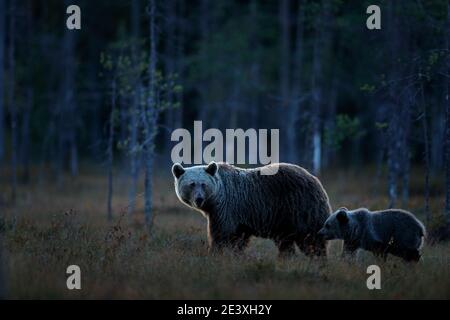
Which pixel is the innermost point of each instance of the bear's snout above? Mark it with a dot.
(199, 201)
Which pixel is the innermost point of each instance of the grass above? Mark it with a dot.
(52, 227)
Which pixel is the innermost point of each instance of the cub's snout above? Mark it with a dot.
(324, 234)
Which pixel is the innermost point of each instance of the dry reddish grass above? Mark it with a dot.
(52, 227)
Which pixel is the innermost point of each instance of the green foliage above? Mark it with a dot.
(381, 125)
(126, 64)
(368, 88)
(345, 128)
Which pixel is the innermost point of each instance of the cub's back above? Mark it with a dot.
(398, 223)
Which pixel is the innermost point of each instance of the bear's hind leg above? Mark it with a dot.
(409, 255)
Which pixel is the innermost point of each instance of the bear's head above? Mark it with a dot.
(337, 226)
(195, 186)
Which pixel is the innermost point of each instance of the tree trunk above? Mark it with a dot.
(395, 128)
(134, 169)
(68, 117)
(255, 68)
(426, 138)
(297, 90)
(11, 102)
(111, 149)
(25, 132)
(204, 38)
(284, 77)
(2, 83)
(73, 153)
(72, 119)
(136, 100)
(317, 90)
(437, 135)
(405, 151)
(285, 51)
(169, 66)
(393, 163)
(123, 121)
(447, 124)
(2, 265)
(2, 145)
(25, 136)
(180, 62)
(95, 133)
(150, 119)
(330, 120)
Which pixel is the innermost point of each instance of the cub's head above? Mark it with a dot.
(195, 186)
(336, 226)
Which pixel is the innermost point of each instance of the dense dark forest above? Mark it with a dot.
(111, 93)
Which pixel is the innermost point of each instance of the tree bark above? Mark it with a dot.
(405, 159)
(297, 90)
(2, 146)
(150, 119)
(204, 36)
(136, 100)
(25, 136)
(66, 115)
(255, 68)
(178, 116)
(11, 102)
(3, 279)
(2, 83)
(395, 129)
(317, 89)
(447, 123)
(25, 130)
(426, 138)
(285, 51)
(169, 66)
(284, 76)
(110, 151)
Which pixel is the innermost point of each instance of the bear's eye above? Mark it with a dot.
(192, 184)
(203, 184)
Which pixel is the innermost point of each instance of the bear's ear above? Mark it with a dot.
(342, 217)
(177, 170)
(343, 209)
(211, 168)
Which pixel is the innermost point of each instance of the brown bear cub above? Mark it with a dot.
(288, 207)
(393, 231)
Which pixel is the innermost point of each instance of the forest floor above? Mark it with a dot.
(52, 227)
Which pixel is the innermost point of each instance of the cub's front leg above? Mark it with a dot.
(349, 249)
(221, 237)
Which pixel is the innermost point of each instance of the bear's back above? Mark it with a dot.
(291, 198)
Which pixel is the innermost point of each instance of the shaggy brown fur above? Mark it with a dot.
(288, 207)
(393, 231)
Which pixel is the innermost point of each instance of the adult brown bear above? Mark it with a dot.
(288, 207)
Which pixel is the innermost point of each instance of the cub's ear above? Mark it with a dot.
(177, 170)
(342, 217)
(211, 168)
